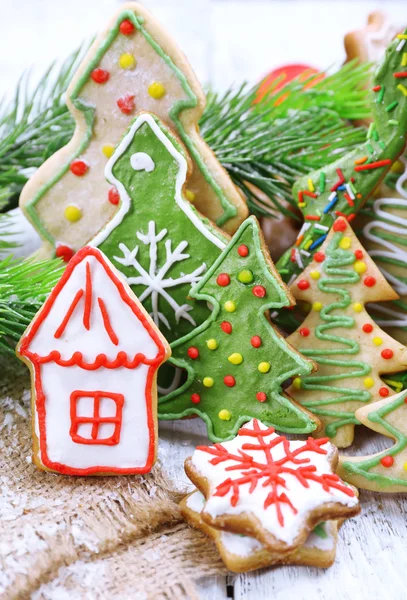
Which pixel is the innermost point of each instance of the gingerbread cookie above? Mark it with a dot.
(133, 65)
(93, 354)
(385, 471)
(351, 350)
(369, 43)
(236, 361)
(242, 553)
(268, 487)
(340, 189)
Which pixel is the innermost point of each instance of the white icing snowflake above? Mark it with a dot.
(155, 279)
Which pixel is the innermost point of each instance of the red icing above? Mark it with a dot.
(96, 420)
(126, 27)
(68, 315)
(88, 298)
(229, 380)
(243, 250)
(387, 353)
(384, 392)
(358, 254)
(256, 341)
(387, 461)
(261, 396)
(304, 331)
(226, 327)
(303, 284)
(369, 281)
(100, 75)
(106, 322)
(270, 473)
(78, 167)
(223, 279)
(319, 257)
(64, 252)
(340, 225)
(193, 352)
(367, 328)
(259, 291)
(195, 398)
(126, 104)
(113, 195)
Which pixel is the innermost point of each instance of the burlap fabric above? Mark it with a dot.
(93, 538)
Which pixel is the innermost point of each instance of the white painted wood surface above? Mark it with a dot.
(228, 41)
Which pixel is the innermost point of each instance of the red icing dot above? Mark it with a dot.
(113, 195)
(369, 281)
(367, 328)
(384, 392)
(126, 104)
(304, 331)
(261, 396)
(195, 398)
(78, 167)
(126, 27)
(193, 352)
(319, 256)
(226, 327)
(223, 279)
(340, 225)
(358, 254)
(387, 353)
(259, 291)
(243, 250)
(256, 341)
(64, 252)
(303, 284)
(387, 461)
(229, 380)
(100, 75)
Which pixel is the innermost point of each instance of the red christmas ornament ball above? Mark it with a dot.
(304, 331)
(387, 461)
(100, 75)
(193, 352)
(126, 104)
(256, 341)
(223, 279)
(195, 398)
(261, 396)
(369, 281)
(113, 195)
(358, 254)
(319, 257)
(64, 252)
(226, 327)
(126, 27)
(384, 392)
(387, 353)
(303, 284)
(229, 380)
(243, 250)
(367, 328)
(340, 225)
(259, 291)
(78, 167)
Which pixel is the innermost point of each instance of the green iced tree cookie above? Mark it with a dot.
(236, 361)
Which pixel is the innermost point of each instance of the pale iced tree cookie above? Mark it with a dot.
(93, 354)
(242, 553)
(385, 471)
(351, 350)
(133, 65)
(268, 487)
(369, 43)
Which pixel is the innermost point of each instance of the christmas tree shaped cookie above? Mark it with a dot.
(157, 239)
(133, 65)
(93, 353)
(236, 361)
(351, 350)
(341, 188)
(385, 471)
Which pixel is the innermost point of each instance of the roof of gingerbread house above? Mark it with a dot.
(92, 319)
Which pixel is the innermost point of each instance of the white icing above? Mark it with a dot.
(141, 161)
(377, 41)
(180, 180)
(155, 279)
(305, 499)
(163, 391)
(132, 335)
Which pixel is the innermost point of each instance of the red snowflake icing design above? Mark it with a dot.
(271, 472)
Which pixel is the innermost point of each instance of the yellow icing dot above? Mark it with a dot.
(224, 414)
(245, 276)
(156, 90)
(360, 267)
(127, 61)
(358, 307)
(235, 358)
(317, 306)
(345, 243)
(297, 383)
(264, 367)
(397, 167)
(208, 381)
(315, 274)
(368, 382)
(190, 195)
(212, 344)
(108, 150)
(230, 306)
(377, 341)
(72, 213)
(405, 466)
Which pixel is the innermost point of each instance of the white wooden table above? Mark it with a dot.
(228, 41)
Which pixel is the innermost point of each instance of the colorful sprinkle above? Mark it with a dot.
(223, 279)
(311, 185)
(156, 90)
(264, 367)
(208, 382)
(230, 306)
(72, 213)
(318, 242)
(193, 352)
(229, 381)
(402, 89)
(243, 250)
(374, 165)
(391, 106)
(313, 217)
(126, 104)
(224, 415)
(322, 182)
(212, 344)
(235, 358)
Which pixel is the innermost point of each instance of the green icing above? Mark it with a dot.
(335, 276)
(248, 320)
(385, 140)
(320, 531)
(190, 101)
(156, 246)
(366, 466)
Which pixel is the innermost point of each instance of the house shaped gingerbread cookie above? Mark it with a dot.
(93, 354)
